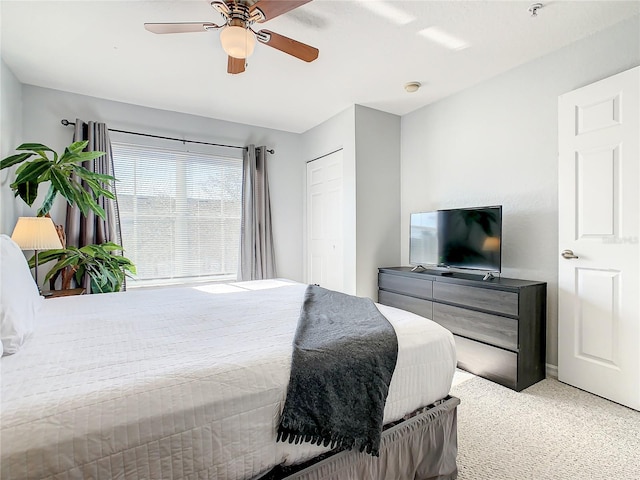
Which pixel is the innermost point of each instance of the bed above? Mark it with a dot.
(189, 383)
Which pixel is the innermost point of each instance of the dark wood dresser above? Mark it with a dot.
(499, 325)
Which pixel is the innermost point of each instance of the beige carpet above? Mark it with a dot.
(549, 431)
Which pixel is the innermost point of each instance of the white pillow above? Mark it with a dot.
(19, 297)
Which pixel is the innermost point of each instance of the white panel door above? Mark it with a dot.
(325, 251)
(599, 214)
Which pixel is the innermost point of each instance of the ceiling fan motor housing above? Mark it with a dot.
(239, 13)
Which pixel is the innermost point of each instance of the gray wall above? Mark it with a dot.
(337, 132)
(378, 196)
(370, 140)
(497, 143)
(10, 138)
(44, 108)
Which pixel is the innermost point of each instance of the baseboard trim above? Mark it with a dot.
(552, 371)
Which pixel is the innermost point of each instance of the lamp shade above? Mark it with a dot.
(36, 233)
(237, 41)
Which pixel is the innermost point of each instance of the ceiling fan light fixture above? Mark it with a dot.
(237, 41)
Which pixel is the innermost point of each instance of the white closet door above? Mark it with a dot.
(599, 214)
(325, 216)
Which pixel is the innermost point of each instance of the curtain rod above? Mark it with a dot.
(66, 122)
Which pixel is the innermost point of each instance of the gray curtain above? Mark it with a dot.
(257, 259)
(83, 230)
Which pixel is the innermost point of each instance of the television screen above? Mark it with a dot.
(461, 238)
(424, 239)
(470, 238)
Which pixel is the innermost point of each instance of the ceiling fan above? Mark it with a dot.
(237, 36)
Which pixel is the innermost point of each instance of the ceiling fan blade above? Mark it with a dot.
(288, 45)
(273, 8)
(235, 65)
(179, 27)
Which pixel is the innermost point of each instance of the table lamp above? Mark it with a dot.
(36, 233)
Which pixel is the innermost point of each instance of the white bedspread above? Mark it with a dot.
(180, 383)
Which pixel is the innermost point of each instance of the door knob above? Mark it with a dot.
(568, 254)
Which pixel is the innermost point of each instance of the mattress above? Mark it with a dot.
(181, 383)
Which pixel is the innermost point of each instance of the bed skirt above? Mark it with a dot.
(424, 447)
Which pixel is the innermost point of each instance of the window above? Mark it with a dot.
(179, 213)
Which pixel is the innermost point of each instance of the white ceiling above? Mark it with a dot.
(100, 48)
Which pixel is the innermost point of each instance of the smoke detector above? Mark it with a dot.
(412, 87)
(533, 9)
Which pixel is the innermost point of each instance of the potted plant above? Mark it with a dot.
(65, 173)
(106, 270)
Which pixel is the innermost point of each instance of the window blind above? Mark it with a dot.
(179, 213)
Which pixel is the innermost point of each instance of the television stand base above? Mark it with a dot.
(423, 269)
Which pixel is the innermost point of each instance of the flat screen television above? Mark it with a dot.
(469, 238)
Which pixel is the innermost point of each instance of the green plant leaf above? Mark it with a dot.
(86, 173)
(93, 185)
(63, 185)
(75, 154)
(97, 189)
(21, 168)
(28, 192)
(37, 169)
(35, 147)
(110, 277)
(76, 158)
(91, 249)
(68, 154)
(47, 256)
(14, 159)
(126, 265)
(96, 287)
(97, 209)
(60, 265)
(77, 147)
(82, 199)
(111, 246)
(79, 274)
(47, 203)
(32, 171)
(88, 156)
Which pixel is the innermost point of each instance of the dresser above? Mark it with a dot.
(499, 325)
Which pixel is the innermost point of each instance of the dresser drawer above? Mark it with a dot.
(487, 299)
(417, 287)
(500, 366)
(493, 329)
(411, 304)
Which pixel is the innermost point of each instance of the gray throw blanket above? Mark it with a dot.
(344, 354)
